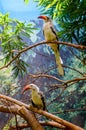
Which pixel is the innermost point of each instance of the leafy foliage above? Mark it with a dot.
(70, 15)
(8, 85)
(12, 38)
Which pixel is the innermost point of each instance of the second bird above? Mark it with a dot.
(50, 35)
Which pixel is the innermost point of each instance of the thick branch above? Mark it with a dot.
(43, 123)
(10, 109)
(23, 112)
(30, 118)
(44, 113)
(15, 109)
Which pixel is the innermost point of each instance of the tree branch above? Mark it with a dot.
(74, 70)
(47, 76)
(40, 43)
(71, 110)
(74, 80)
(64, 83)
(68, 125)
(43, 123)
(23, 112)
(15, 109)
(30, 118)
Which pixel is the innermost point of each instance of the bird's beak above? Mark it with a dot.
(26, 88)
(42, 17)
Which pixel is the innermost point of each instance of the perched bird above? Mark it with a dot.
(50, 35)
(37, 97)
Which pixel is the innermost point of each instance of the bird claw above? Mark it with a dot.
(31, 106)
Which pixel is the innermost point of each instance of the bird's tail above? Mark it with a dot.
(59, 63)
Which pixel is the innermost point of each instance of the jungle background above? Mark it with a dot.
(22, 63)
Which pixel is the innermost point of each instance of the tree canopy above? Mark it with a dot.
(70, 15)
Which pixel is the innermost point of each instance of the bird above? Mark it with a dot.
(37, 97)
(50, 35)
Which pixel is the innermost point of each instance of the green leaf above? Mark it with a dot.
(26, 1)
(50, 5)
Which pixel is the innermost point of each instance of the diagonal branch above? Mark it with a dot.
(40, 43)
(43, 123)
(74, 70)
(44, 113)
(47, 76)
(63, 83)
(23, 112)
(74, 80)
(15, 109)
(71, 110)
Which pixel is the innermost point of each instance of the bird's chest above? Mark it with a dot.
(49, 35)
(36, 98)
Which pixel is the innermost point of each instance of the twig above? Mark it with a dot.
(46, 75)
(16, 122)
(74, 80)
(76, 56)
(70, 110)
(74, 69)
(64, 83)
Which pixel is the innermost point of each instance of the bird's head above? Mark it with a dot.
(45, 18)
(30, 86)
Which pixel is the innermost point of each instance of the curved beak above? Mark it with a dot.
(26, 88)
(42, 17)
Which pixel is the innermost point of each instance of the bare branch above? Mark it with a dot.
(43, 123)
(70, 82)
(15, 109)
(71, 110)
(23, 112)
(74, 70)
(64, 83)
(46, 75)
(30, 118)
(40, 43)
(78, 57)
(74, 80)
(44, 113)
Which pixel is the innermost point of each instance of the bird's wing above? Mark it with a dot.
(43, 100)
(53, 30)
(43, 32)
(34, 105)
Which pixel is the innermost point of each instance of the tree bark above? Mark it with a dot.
(23, 112)
(68, 125)
(30, 118)
(43, 123)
